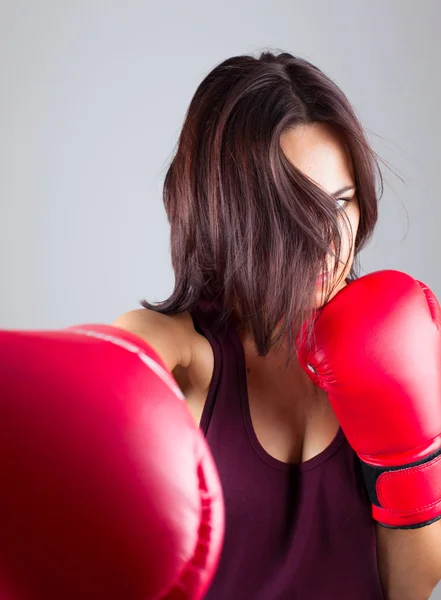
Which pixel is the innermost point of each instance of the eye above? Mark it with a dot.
(342, 202)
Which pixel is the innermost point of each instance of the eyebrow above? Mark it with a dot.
(343, 190)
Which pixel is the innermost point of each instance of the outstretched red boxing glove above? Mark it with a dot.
(108, 489)
(376, 351)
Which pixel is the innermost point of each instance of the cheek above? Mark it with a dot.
(355, 223)
(349, 232)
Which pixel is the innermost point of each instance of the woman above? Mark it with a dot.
(270, 197)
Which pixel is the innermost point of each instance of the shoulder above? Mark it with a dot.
(186, 353)
(173, 337)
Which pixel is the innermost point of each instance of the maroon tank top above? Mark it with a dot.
(293, 532)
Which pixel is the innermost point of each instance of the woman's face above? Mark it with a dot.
(318, 152)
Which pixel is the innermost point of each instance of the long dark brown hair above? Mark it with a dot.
(248, 229)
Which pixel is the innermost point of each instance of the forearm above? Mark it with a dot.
(409, 561)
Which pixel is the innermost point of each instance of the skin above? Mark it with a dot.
(319, 153)
(409, 560)
(298, 423)
(301, 423)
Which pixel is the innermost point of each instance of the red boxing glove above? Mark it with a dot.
(108, 487)
(377, 353)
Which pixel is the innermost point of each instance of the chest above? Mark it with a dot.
(292, 419)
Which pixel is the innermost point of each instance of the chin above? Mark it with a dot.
(322, 297)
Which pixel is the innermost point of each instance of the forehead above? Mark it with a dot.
(318, 151)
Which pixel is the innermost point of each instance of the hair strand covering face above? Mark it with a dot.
(247, 228)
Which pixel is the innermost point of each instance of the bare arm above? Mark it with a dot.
(409, 561)
(167, 335)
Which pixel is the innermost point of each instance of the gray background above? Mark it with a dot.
(92, 97)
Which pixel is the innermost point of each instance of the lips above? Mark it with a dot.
(323, 278)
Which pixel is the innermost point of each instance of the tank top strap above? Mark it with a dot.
(209, 321)
(290, 532)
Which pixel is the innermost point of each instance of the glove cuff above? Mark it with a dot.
(408, 496)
